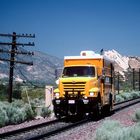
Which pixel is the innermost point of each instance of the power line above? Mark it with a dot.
(13, 51)
(16, 52)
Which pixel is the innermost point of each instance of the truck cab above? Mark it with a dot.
(85, 86)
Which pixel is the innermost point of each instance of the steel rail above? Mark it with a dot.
(127, 103)
(54, 132)
(21, 130)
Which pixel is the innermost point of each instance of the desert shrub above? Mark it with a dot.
(18, 103)
(38, 102)
(19, 112)
(135, 132)
(16, 112)
(29, 112)
(139, 93)
(38, 107)
(3, 113)
(35, 103)
(4, 105)
(135, 94)
(105, 131)
(17, 116)
(112, 130)
(13, 114)
(3, 117)
(45, 112)
(126, 95)
(136, 116)
(119, 99)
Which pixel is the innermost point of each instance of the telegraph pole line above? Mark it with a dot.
(139, 79)
(133, 79)
(14, 50)
(12, 57)
(118, 79)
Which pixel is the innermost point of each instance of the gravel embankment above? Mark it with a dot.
(25, 124)
(87, 131)
(83, 132)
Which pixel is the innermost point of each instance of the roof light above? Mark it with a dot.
(83, 54)
(87, 53)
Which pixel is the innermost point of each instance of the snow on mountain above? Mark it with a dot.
(2, 75)
(121, 62)
(134, 62)
(18, 79)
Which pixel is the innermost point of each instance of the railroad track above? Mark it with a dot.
(54, 127)
(56, 131)
(41, 130)
(24, 130)
(124, 104)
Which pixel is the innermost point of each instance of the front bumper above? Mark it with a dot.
(65, 107)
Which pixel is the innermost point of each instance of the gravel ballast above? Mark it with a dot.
(86, 131)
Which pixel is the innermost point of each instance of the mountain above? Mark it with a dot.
(134, 62)
(123, 63)
(42, 71)
(44, 65)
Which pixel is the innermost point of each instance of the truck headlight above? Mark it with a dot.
(91, 93)
(85, 97)
(56, 95)
(57, 81)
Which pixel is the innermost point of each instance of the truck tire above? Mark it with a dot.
(96, 112)
(107, 109)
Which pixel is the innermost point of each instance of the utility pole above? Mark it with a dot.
(133, 79)
(139, 79)
(14, 50)
(118, 79)
(11, 72)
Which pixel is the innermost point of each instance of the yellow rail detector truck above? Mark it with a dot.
(85, 86)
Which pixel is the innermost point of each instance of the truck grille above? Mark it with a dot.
(74, 86)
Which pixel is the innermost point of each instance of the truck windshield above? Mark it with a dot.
(76, 71)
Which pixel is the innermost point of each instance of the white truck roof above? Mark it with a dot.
(87, 55)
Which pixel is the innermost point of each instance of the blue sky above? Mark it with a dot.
(65, 27)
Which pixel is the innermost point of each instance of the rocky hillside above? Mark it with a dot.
(42, 71)
(134, 62)
(123, 63)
